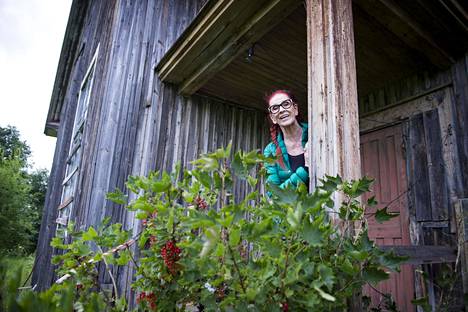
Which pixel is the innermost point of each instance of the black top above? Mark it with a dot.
(296, 161)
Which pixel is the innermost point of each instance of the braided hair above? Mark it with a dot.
(275, 128)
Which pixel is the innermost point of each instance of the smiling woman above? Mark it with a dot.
(289, 141)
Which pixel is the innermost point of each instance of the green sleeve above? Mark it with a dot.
(271, 168)
(300, 176)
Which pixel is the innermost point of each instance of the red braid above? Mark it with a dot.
(274, 130)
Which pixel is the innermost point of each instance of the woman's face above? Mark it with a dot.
(283, 110)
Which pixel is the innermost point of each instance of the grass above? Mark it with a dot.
(14, 263)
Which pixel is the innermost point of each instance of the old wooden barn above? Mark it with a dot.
(142, 85)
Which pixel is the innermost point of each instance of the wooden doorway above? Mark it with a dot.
(382, 158)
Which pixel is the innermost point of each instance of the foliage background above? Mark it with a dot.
(22, 195)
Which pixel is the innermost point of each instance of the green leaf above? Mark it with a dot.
(131, 184)
(360, 186)
(330, 184)
(206, 163)
(366, 243)
(234, 237)
(57, 242)
(285, 196)
(371, 202)
(381, 215)
(359, 255)
(170, 221)
(142, 204)
(251, 293)
(90, 234)
(374, 275)
(392, 261)
(203, 177)
(83, 249)
(292, 219)
(423, 302)
(160, 186)
(123, 258)
(117, 197)
(219, 251)
(262, 227)
(347, 267)
(237, 165)
(326, 275)
(312, 234)
(252, 181)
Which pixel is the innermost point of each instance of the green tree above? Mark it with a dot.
(12, 145)
(37, 180)
(22, 194)
(15, 217)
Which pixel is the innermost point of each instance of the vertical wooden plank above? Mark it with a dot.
(461, 210)
(460, 88)
(418, 175)
(332, 90)
(450, 154)
(436, 166)
(332, 96)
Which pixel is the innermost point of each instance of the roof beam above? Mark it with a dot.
(408, 30)
(223, 30)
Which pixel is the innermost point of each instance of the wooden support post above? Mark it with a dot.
(332, 91)
(332, 96)
(461, 212)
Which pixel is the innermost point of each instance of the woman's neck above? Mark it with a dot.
(292, 132)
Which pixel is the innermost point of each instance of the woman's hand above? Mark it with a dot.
(306, 155)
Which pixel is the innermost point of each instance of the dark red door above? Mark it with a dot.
(382, 159)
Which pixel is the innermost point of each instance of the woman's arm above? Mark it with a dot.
(300, 176)
(271, 168)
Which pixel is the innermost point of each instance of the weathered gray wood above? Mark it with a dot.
(408, 30)
(450, 155)
(96, 25)
(417, 174)
(424, 254)
(332, 91)
(389, 114)
(461, 211)
(220, 32)
(436, 167)
(460, 87)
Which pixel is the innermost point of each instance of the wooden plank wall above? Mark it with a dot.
(460, 88)
(434, 111)
(93, 26)
(135, 123)
(396, 93)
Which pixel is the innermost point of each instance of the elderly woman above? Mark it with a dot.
(288, 142)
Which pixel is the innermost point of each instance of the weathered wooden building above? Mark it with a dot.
(142, 85)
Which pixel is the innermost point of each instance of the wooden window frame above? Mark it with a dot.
(76, 146)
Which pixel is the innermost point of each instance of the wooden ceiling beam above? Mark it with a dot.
(407, 29)
(222, 31)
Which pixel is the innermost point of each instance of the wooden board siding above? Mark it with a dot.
(117, 31)
(136, 123)
(400, 92)
(460, 87)
(93, 26)
(431, 113)
(427, 170)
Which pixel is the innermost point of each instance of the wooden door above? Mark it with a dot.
(382, 159)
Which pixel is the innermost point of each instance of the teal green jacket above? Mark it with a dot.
(284, 176)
